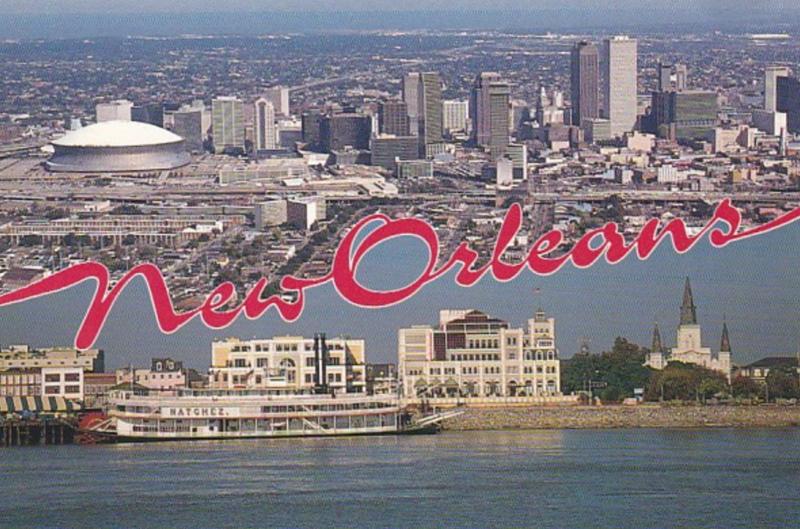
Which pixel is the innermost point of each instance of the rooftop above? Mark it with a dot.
(117, 134)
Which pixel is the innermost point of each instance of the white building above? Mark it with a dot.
(771, 74)
(266, 133)
(227, 123)
(620, 67)
(64, 382)
(119, 110)
(472, 356)
(269, 213)
(289, 364)
(279, 97)
(689, 347)
(454, 115)
(303, 212)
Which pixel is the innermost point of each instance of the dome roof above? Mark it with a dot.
(117, 134)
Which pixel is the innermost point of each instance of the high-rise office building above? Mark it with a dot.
(620, 83)
(685, 115)
(279, 97)
(454, 115)
(345, 129)
(393, 118)
(585, 82)
(488, 107)
(387, 149)
(309, 122)
(771, 75)
(266, 134)
(119, 110)
(664, 77)
(787, 100)
(430, 118)
(227, 123)
(681, 77)
(411, 82)
(188, 124)
(152, 113)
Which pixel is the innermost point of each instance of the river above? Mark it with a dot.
(549, 478)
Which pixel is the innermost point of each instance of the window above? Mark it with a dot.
(52, 378)
(74, 389)
(311, 361)
(262, 362)
(51, 390)
(72, 377)
(240, 362)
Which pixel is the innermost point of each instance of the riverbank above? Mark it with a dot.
(642, 416)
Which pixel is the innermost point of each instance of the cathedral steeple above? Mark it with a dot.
(725, 343)
(688, 310)
(657, 347)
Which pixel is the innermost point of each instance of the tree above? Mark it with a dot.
(680, 381)
(745, 388)
(621, 369)
(782, 383)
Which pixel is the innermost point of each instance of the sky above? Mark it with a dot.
(708, 7)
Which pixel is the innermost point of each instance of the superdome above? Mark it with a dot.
(118, 146)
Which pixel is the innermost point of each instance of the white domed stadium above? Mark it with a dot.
(116, 147)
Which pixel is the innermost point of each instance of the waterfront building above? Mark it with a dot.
(454, 116)
(269, 213)
(381, 379)
(584, 82)
(265, 131)
(96, 388)
(165, 374)
(620, 68)
(227, 118)
(393, 118)
(288, 364)
(26, 357)
(472, 355)
(489, 103)
(689, 347)
(771, 75)
(119, 110)
(758, 370)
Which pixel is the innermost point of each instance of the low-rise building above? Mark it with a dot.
(289, 364)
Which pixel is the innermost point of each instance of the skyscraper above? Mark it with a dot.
(393, 118)
(788, 100)
(620, 83)
(489, 112)
(279, 97)
(454, 115)
(771, 75)
(585, 82)
(227, 122)
(664, 77)
(681, 77)
(430, 117)
(411, 82)
(265, 130)
(188, 124)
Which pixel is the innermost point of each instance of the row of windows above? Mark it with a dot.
(282, 347)
(56, 390)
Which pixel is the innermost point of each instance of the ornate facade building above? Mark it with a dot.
(689, 347)
(471, 355)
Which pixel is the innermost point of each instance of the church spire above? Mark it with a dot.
(688, 310)
(725, 343)
(657, 347)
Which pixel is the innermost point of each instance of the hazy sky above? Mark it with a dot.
(138, 6)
